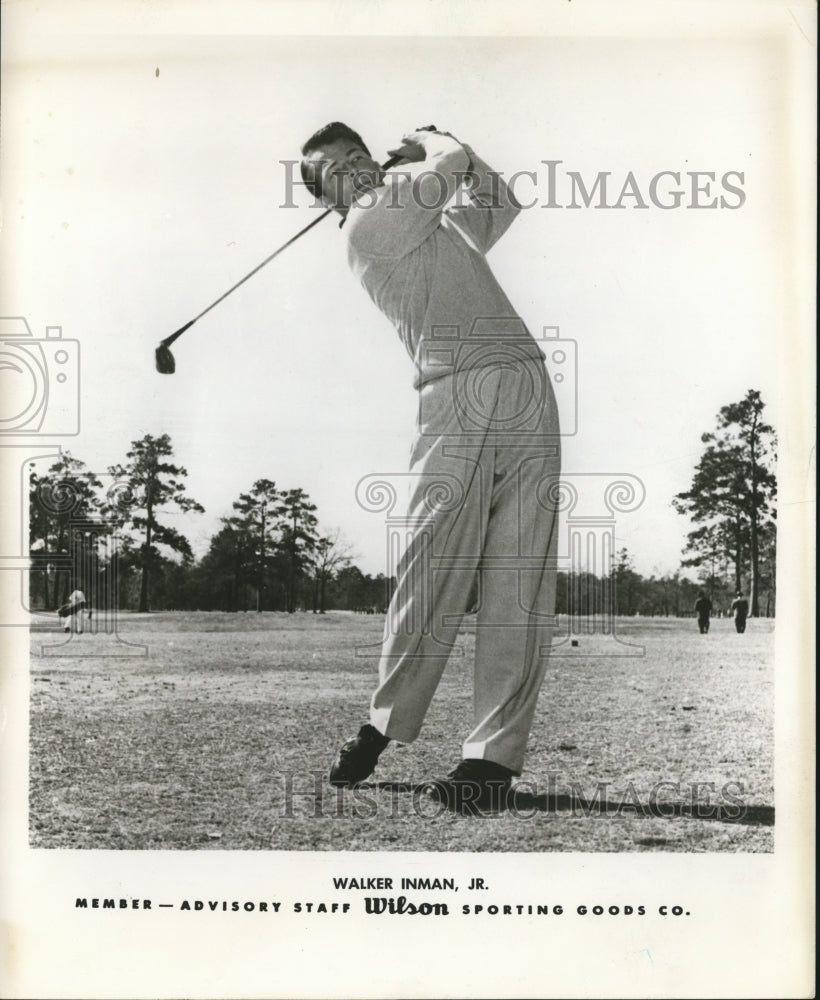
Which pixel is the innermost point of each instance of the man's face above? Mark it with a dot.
(345, 169)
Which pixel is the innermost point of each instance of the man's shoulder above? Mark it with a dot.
(368, 212)
(382, 224)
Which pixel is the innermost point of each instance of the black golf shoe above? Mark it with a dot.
(357, 758)
(473, 787)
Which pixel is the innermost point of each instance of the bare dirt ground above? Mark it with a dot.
(222, 735)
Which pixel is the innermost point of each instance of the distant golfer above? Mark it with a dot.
(703, 609)
(72, 611)
(740, 611)
(484, 465)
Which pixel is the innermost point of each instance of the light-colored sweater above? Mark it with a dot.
(417, 245)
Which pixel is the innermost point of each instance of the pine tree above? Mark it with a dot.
(299, 537)
(257, 527)
(734, 489)
(155, 484)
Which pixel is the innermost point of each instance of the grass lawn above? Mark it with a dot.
(219, 738)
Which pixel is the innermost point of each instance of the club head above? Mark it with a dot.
(165, 360)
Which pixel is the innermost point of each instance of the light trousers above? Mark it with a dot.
(480, 535)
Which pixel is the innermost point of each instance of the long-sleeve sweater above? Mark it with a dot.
(418, 246)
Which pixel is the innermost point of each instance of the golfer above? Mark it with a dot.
(703, 609)
(484, 463)
(72, 612)
(740, 611)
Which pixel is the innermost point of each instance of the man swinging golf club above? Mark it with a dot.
(484, 463)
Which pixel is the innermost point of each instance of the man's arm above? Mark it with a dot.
(393, 222)
(486, 207)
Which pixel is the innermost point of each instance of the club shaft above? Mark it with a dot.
(178, 333)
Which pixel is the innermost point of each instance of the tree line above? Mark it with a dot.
(270, 553)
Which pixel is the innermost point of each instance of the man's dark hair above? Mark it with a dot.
(327, 134)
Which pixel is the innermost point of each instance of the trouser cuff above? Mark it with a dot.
(480, 751)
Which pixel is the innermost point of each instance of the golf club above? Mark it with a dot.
(165, 363)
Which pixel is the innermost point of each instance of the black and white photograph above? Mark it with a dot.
(408, 499)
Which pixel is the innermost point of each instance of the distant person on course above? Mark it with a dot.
(703, 609)
(740, 610)
(72, 611)
(485, 461)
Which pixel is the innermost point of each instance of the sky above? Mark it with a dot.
(148, 172)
